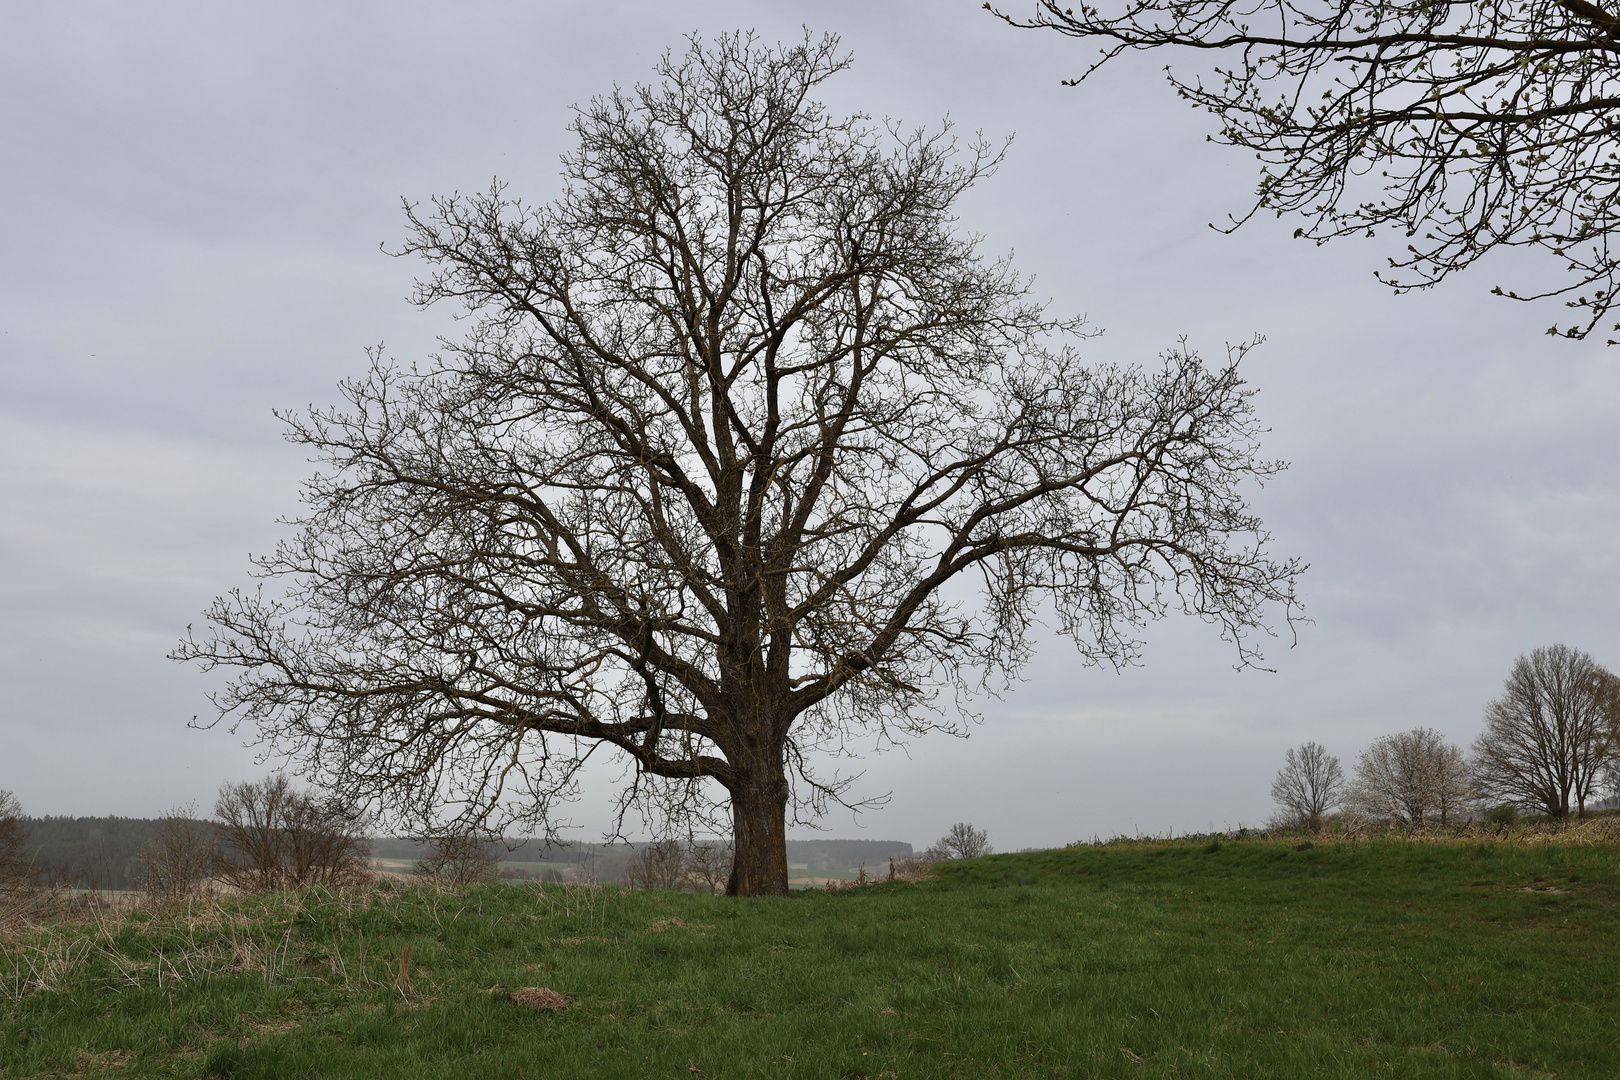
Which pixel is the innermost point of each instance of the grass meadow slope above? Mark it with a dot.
(1248, 959)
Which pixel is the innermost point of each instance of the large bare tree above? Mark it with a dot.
(1460, 127)
(1549, 737)
(1310, 783)
(739, 423)
(1411, 778)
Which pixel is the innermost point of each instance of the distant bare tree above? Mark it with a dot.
(659, 865)
(182, 855)
(962, 842)
(21, 896)
(277, 837)
(1309, 784)
(748, 453)
(15, 864)
(1549, 737)
(1610, 696)
(710, 863)
(1411, 778)
(463, 859)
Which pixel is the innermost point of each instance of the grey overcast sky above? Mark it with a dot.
(194, 196)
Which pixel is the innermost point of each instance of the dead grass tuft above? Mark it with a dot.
(1600, 830)
(85, 1062)
(278, 1026)
(908, 870)
(538, 997)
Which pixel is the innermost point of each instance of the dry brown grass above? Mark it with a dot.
(206, 935)
(86, 1063)
(539, 997)
(1599, 830)
(910, 870)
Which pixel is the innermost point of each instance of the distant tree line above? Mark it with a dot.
(268, 834)
(264, 835)
(1550, 745)
(83, 852)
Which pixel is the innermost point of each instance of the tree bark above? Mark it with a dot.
(759, 836)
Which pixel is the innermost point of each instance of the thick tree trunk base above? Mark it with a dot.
(759, 836)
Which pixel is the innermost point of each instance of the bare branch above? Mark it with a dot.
(1463, 126)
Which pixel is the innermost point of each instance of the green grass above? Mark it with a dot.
(1156, 960)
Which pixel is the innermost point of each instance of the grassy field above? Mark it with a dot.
(1250, 959)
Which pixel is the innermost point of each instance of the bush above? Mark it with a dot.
(182, 858)
(709, 864)
(1505, 815)
(26, 890)
(276, 837)
(461, 860)
(14, 861)
(659, 865)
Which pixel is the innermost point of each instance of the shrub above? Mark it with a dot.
(709, 864)
(274, 836)
(25, 890)
(460, 860)
(14, 862)
(1505, 815)
(659, 865)
(182, 857)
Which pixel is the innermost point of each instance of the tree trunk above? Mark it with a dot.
(759, 837)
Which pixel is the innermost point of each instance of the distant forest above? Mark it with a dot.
(104, 853)
(90, 853)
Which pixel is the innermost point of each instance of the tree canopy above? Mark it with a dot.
(1412, 777)
(1462, 126)
(747, 451)
(1310, 783)
(1549, 738)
